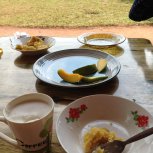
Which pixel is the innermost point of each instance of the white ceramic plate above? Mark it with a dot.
(47, 66)
(101, 39)
(49, 41)
(111, 112)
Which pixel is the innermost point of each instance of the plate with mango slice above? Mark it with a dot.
(76, 68)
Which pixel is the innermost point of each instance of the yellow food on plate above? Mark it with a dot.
(77, 78)
(34, 44)
(1, 52)
(100, 36)
(71, 78)
(101, 64)
(96, 136)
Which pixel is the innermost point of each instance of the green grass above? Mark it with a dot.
(65, 13)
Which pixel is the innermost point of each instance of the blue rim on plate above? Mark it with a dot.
(46, 67)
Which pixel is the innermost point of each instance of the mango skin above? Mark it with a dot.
(93, 79)
(86, 70)
(71, 78)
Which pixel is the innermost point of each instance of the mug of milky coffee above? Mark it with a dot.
(30, 118)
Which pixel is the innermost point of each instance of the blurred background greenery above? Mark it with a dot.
(66, 13)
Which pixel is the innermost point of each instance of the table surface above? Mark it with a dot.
(134, 82)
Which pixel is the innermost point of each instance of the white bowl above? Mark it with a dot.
(49, 41)
(113, 113)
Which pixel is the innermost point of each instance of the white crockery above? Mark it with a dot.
(111, 112)
(101, 39)
(34, 134)
(48, 41)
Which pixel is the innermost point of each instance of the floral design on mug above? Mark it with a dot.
(44, 132)
(74, 113)
(140, 120)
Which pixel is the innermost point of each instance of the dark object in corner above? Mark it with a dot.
(141, 10)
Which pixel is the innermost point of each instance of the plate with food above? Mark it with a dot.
(32, 44)
(76, 68)
(101, 39)
(87, 123)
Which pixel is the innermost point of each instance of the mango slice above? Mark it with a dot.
(101, 64)
(86, 70)
(1, 52)
(93, 79)
(71, 78)
(77, 78)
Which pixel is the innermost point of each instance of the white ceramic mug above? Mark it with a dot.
(30, 118)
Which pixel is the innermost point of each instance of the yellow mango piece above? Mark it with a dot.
(71, 78)
(101, 64)
(1, 52)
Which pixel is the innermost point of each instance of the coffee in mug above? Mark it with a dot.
(30, 118)
(28, 111)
